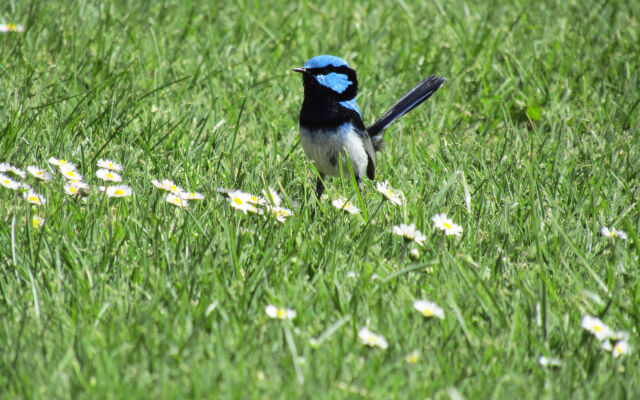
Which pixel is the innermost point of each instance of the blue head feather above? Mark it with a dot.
(351, 104)
(324, 61)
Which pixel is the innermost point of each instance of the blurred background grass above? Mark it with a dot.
(538, 123)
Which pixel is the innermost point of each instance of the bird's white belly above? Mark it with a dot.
(326, 149)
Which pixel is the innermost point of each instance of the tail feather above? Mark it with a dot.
(416, 96)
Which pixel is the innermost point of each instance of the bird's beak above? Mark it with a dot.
(303, 70)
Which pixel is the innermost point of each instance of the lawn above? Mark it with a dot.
(531, 146)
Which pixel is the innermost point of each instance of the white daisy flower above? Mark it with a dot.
(73, 188)
(621, 348)
(394, 196)
(549, 361)
(409, 232)
(69, 172)
(279, 313)
(37, 221)
(413, 357)
(256, 200)
(25, 187)
(39, 173)
(191, 196)
(272, 196)
(241, 201)
(108, 175)
(414, 253)
(34, 198)
(18, 172)
(4, 167)
(428, 309)
(342, 204)
(280, 213)
(108, 164)
(613, 233)
(176, 200)
(445, 224)
(11, 28)
(60, 162)
(119, 191)
(371, 339)
(158, 184)
(8, 182)
(170, 186)
(598, 328)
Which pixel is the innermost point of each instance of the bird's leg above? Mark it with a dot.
(319, 186)
(359, 182)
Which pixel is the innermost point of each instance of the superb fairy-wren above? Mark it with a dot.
(330, 121)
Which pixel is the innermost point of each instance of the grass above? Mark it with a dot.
(531, 145)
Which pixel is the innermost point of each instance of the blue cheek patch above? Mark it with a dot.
(351, 104)
(334, 81)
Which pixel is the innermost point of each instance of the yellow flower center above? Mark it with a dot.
(119, 192)
(281, 313)
(447, 225)
(618, 348)
(5, 181)
(173, 188)
(597, 328)
(178, 202)
(612, 233)
(11, 27)
(73, 190)
(110, 165)
(238, 201)
(62, 162)
(427, 313)
(39, 173)
(34, 199)
(36, 222)
(413, 359)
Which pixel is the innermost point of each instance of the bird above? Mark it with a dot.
(331, 127)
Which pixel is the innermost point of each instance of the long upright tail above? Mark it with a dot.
(421, 92)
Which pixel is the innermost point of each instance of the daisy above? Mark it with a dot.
(272, 196)
(108, 164)
(37, 221)
(394, 196)
(157, 184)
(69, 172)
(4, 167)
(60, 162)
(241, 201)
(445, 224)
(413, 357)
(428, 309)
(74, 188)
(549, 361)
(409, 232)
(39, 173)
(342, 204)
(119, 191)
(613, 233)
(596, 327)
(620, 348)
(18, 172)
(279, 313)
(371, 339)
(191, 196)
(109, 176)
(169, 186)
(414, 253)
(280, 213)
(8, 182)
(11, 28)
(176, 200)
(34, 198)
(256, 200)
